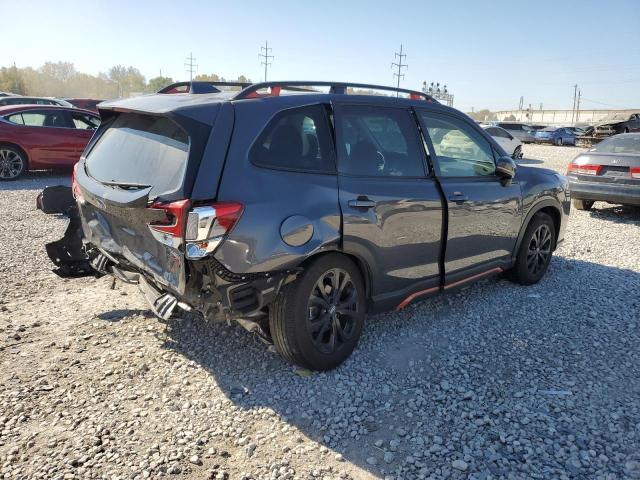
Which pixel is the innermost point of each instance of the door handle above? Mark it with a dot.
(362, 202)
(458, 197)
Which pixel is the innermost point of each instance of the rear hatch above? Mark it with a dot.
(136, 181)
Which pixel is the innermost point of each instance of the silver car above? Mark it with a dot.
(521, 131)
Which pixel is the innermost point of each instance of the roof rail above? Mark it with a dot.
(198, 86)
(339, 88)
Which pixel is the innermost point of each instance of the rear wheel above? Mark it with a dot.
(582, 204)
(535, 250)
(316, 321)
(12, 163)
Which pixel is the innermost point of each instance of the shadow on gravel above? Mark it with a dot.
(117, 315)
(37, 180)
(420, 375)
(616, 213)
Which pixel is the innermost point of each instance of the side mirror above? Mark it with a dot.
(506, 167)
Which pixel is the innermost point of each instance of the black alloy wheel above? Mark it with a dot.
(332, 310)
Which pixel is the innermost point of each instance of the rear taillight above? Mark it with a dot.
(584, 169)
(75, 189)
(170, 229)
(207, 226)
(202, 228)
(635, 172)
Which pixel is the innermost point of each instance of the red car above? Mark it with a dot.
(37, 137)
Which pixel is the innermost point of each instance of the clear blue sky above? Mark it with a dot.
(488, 52)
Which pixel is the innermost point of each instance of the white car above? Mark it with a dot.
(511, 144)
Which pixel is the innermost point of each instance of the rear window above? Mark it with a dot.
(141, 150)
(619, 144)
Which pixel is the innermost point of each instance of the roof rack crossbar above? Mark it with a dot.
(339, 88)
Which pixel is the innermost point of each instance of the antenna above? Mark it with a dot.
(264, 55)
(400, 56)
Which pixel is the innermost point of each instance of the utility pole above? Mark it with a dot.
(400, 56)
(191, 66)
(573, 110)
(520, 107)
(264, 55)
(578, 107)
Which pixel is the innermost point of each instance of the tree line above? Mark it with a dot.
(61, 79)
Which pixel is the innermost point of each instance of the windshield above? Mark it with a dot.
(141, 150)
(619, 144)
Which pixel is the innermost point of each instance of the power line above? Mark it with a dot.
(264, 55)
(400, 56)
(191, 66)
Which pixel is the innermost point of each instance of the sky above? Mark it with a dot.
(488, 53)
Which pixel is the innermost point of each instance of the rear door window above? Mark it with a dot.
(297, 139)
(141, 150)
(378, 142)
(82, 121)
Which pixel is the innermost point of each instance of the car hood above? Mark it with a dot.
(606, 123)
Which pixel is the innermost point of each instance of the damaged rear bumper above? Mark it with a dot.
(210, 288)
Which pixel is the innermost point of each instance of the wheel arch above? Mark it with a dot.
(551, 208)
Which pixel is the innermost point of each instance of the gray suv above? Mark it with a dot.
(297, 208)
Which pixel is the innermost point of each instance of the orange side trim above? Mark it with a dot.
(413, 296)
(473, 277)
(420, 293)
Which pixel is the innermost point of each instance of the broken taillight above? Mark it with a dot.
(207, 226)
(584, 169)
(75, 189)
(203, 227)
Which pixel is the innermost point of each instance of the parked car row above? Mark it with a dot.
(85, 103)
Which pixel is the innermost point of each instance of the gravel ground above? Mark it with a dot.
(496, 381)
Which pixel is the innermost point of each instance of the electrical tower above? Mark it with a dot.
(191, 66)
(441, 94)
(400, 56)
(265, 57)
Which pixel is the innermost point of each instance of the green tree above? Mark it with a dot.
(208, 78)
(129, 80)
(11, 80)
(157, 83)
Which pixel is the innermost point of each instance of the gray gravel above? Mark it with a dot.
(496, 381)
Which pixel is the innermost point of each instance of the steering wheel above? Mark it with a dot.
(381, 161)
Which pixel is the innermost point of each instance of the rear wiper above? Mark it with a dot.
(127, 185)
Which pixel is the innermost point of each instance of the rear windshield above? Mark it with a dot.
(141, 150)
(619, 144)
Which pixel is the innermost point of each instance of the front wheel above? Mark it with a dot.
(12, 163)
(316, 320)
(582, 204)
(536, 249)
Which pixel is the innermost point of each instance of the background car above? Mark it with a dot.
(511, 144)
(521, 131)
(608, 172)
(21, 100)
(36, 137)
(86, 103)
(556, 135)
(617, 123)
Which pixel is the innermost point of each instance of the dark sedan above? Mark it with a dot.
(38, 137)
(609, 172)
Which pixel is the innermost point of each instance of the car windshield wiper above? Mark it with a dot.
(127, 185)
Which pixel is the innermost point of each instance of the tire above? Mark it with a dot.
(582, 204)
(13, 163)
(307, 328)
(517, 153)
(532, 264)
